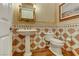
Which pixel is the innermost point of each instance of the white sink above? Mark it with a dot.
(26, 30)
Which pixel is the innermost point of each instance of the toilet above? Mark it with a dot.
(55, 44)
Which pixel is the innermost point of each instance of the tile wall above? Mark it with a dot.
(18, 43)
(69, 34)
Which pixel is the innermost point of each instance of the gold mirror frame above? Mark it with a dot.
(26, 19)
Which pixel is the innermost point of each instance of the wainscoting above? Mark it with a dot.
(68, 33)
(18, 44)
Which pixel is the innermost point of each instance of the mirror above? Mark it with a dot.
(27, 12)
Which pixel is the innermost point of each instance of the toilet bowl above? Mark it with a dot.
(55, 44)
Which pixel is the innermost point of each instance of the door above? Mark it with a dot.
(5, 33)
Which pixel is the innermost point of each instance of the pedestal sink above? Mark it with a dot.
(27, 40)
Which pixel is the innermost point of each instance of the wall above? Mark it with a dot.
(43, 17)
(70, 31)
(18, 44)
(64, 22)
(37, 40)
(45, 12)
(42, 13)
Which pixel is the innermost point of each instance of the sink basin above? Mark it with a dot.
(26, 30)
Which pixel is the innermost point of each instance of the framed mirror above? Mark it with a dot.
(27, 12)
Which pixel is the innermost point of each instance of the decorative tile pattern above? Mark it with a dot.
(18, 44)
(37, 39)
(77, 37)
(53, 30)
(71, 30)
(77, 50)
(65, 46)
(42, 34)
(65, 35)
(60, 30)
(71, 34)
(33, 45)
(72, 42)
(46, 30)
